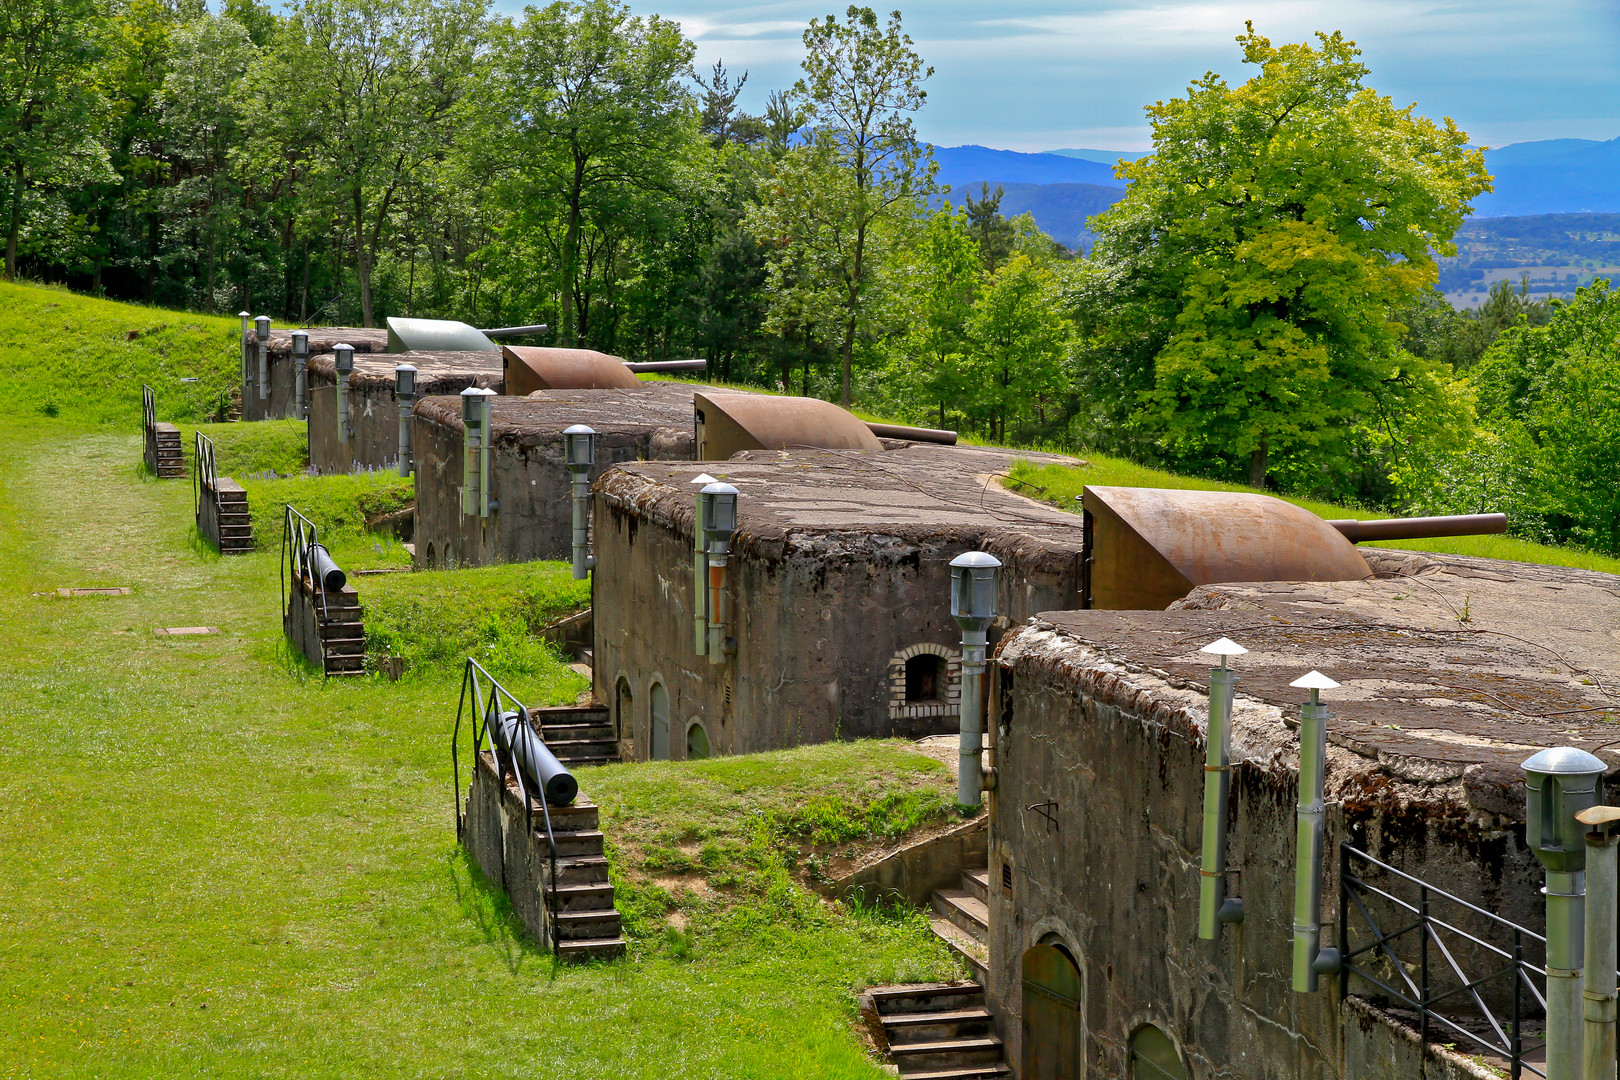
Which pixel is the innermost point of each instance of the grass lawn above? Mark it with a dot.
(213, 864)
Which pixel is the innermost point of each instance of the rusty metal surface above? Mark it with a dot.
(913, 434)
(1419, 528)
(529, 368)
(1152, 546)
(729, 423)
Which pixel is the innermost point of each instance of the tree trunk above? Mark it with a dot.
(362, 261)
(1257, 467)
(568, 332)
(16, 220)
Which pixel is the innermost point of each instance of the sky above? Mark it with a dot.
(1040, 75)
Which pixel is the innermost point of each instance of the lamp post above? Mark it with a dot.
(1560, 783)
(262, 323)
(719, 525)
(300, 354)
(580, 447)
(343, 361)
(700, 568)
(1214, 906)
(475, 451)
(1310, 959)
(973, 606)
(404, 395)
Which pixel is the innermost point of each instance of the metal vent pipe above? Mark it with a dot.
(720, 525)
(973, 606)
(263, 325)
(300, 353)
(343, 361)
(475, 451)
(1214, 906)
(700, 568)
(246, 318)
(1310, 959)
(580, 445)
(404, 395)
(1598, 994)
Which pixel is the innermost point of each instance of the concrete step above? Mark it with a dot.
(965, 910)
(344, 646)
(965, 1072)
(582, 747)
(925, 997)
(585, 870)
(563, 715)
(944, 1054)
(974, 953)
(977, 884)
(586, 761)
(584, 898)
(935, 1026)
(606, 948)
(572, 732)
(572, 844)
(578, 925)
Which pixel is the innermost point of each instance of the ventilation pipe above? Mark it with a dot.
(404, 394)
(580, 443)
(246, 318)
(475, 451)
(1214, 906)
(719, 525)
(1560, 783)
(263, 325)
(1310, 959)
(700, 569)
(300, 354)
(1599, 993)
(973, 606)
(343, 362)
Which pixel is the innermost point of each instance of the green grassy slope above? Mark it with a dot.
(214, 865)
(85, 359)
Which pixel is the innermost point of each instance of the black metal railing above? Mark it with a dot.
(1425, 957)
(298, 541)
(489, 701)
(148, 408)
(206, 482)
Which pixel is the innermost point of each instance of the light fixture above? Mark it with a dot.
(973, 606)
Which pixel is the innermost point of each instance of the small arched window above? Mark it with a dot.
(1154, 1056)
(623, 708)
(697, 741)
(925, 678)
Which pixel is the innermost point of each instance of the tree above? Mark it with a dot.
(1260, 249)
(862, 165)
(1019, 341)
(47, 104)
(935, 283)
(589, 111)
(362, 92)
(993, 232)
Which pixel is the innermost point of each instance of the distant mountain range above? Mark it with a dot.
(1061, 188)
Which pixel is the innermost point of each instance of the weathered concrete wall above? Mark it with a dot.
(529, 475)
(374, 410)
(820, 614)
(503, 845)
(1098, 816)
(912, 874)
(283, 397)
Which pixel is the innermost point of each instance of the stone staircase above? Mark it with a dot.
(168, 460)
(938, 1031)
(961, 917)
(343, 633)
(579, 735)
(587, 925)
(235, 522)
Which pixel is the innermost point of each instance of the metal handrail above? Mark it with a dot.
(298, 539)
(1418, 990)
(486, 707)
(148, 407)
(207, 473)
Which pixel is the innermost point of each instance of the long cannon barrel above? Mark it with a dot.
(515, 331)
(668, 365)
(324, 571)
(915, 434)
(1421, 528)
(514, 735)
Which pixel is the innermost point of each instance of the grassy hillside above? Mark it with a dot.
(84, 360)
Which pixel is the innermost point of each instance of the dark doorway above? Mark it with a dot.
(1054, 1045)
(925, 678)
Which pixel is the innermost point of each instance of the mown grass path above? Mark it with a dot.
(212, 865)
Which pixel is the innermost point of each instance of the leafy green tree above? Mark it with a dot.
(1020, 339)
(994, 233)
(1261, 247)
(589, 112)
(933, 286)
(862, 168)
(362, 92)
(48, 105)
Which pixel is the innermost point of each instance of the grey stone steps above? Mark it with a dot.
(584, 898)
(939, 1031)
(925, 997)
(966, 1072)
(583, 870)
(932, 1027)
(573, 843)
(577, 925)
(918, 1019)
(586, 761)
(948, 1053)
(965, 910)
(554, 733)
(605, 948)
(977, 882)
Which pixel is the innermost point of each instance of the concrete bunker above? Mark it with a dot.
(837, 585)
(320, 610)
(530, 508)
(371, 406)
(1452, 670)
(282, 358)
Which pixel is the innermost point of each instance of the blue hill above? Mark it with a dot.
(963, 165)
(1555, 176)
